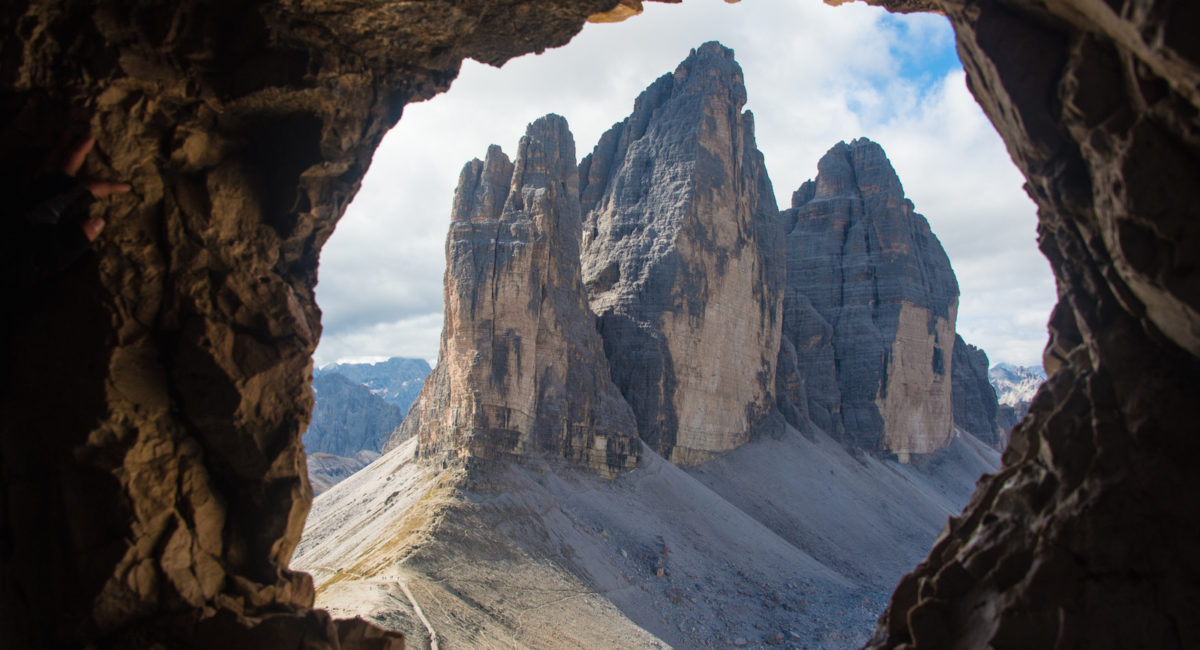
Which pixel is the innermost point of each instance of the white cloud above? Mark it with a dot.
(815, 75)
(415, 338)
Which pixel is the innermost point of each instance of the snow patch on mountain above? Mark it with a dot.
(1015, 384)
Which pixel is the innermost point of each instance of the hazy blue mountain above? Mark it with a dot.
(348, 418)
(397, 380)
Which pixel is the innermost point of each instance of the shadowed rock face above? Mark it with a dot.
(680, 261)
(870, 306)
(348, 418)
(158, 491)
(164, 470)
(975, 407)
(521, 369)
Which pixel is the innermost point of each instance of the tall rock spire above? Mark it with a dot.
(867, 278)
(681, 260)
(521, 369)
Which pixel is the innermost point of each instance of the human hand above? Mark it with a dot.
(98, 189)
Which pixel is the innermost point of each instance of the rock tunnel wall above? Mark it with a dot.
(152, 483)
(1086, 537)
(151, 474)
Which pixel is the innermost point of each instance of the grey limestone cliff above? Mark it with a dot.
(870, 307)
(681, 261)
(976, 409)
(521, 369)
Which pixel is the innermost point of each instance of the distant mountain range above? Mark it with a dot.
(1015, 384)
(397, 380)
(1015, 387)
(357, 407)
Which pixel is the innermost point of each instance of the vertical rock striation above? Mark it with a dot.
(976, 410)
(521, 369)
(680, 260)
(866, 276)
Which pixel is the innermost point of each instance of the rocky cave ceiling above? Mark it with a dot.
(152, 483)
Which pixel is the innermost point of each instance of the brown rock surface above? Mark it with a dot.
(521, 369)
(1086, 538)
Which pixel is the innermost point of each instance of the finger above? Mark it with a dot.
(75, 159)
(101, 189)
(92, 228)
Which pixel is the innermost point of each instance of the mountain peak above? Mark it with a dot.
(680, 259)
(711, 49)
(521, 369)
(868, 279)
(710, 70)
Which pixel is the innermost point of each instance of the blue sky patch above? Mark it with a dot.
(925, 48)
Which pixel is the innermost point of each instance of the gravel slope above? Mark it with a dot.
(788, 542)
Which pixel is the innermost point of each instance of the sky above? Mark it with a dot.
(815, 75)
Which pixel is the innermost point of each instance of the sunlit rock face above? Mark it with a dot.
(870, 306)
(521, 369)
(680, 262)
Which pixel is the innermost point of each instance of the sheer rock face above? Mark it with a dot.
(869, 285)
(976, 409)
(681, 263)
(521, 369)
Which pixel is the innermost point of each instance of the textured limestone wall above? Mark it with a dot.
(975, 407)
(1087, 536)
(869, 309)
(917, 409)
(521, 369)
(151, 474)
(681, 261)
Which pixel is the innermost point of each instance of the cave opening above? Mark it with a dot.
(381, 272)
(152, 475)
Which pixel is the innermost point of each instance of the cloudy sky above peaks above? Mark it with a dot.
(815, 75)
